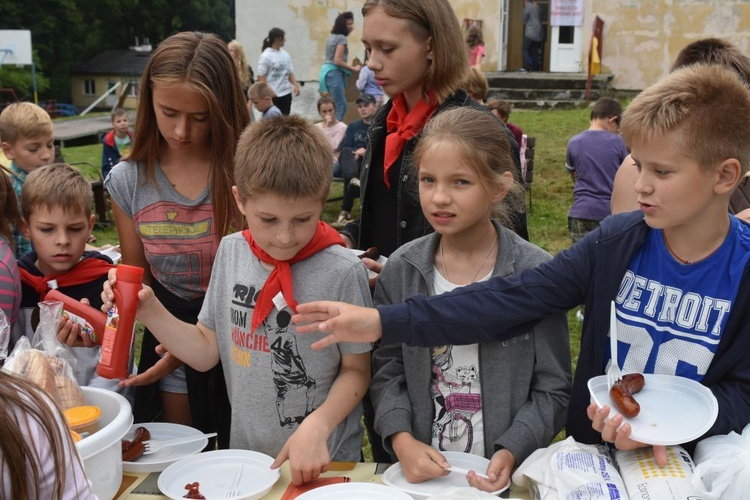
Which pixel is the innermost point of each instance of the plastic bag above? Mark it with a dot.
(4, 335)
(570, 470)
(723, 466)
(643, 478)
(45, 361)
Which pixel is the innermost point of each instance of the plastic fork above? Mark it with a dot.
(465, 471)
(233, 491)
(152, 446)
(613, 372)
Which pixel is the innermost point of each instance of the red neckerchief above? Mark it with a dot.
(402, 125)
(85, 271)
(280, 279)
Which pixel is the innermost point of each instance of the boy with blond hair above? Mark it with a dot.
(27, 141)
(677, 271)
(261, 95)
(287, 400)
(57, 218)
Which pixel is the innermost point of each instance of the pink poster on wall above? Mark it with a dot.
(566, 12)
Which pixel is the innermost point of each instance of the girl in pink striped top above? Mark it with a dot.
(10, 285)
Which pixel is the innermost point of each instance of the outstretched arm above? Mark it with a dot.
(345, 322)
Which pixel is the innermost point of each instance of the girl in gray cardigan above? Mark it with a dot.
(500, 400)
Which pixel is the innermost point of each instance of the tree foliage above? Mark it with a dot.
(65, 33)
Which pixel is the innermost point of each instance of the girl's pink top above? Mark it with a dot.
(476, 54)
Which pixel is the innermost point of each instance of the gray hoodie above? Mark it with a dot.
(525, 381)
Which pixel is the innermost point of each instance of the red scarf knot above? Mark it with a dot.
(403, 124)
(84, 272)
(280, 279)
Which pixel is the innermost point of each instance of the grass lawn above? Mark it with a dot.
(551, 192)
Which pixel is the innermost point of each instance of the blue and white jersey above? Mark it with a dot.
(671, 316)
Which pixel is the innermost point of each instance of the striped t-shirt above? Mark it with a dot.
(10, 283)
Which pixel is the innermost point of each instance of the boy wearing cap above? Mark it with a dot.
(351, 152)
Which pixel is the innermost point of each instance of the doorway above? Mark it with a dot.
(565, 49)
(514, 56)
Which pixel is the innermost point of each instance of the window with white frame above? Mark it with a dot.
(89, 87)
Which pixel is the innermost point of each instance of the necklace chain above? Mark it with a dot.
(669, 248)
(445, 268)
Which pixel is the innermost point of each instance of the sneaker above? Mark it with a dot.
(354, 183)
(342, 219)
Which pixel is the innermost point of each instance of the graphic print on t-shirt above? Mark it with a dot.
(295, 388)
(179, 244)
(671, 316)
(456, 394)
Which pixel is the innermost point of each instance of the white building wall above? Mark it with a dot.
(307, 24)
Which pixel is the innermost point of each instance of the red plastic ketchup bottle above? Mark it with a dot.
(91, 321)
(118, 331)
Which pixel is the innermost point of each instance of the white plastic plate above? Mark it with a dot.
(394, 476)
(113, 253)
(354, 491)
(160, 460)
(215, 471)
(674, 410)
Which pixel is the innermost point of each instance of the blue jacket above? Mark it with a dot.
(589, 273)
(110, 153)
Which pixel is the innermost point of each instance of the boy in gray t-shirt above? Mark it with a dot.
(288, 401)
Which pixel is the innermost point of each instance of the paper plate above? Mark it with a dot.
(395, 478)
(674, 410)
(381, 260)
(354, 491)
(113, 253)
(215, 471)
(165, 457)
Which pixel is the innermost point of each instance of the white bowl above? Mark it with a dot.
(101, 452)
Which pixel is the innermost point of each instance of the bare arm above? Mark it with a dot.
(307, 449)
(196, 345)
(295, 85)
(338, 60)
(131, 246)
(624, 197)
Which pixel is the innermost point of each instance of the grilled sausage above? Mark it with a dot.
(634, 382)
(132, 451)
(622, 392)
(371, 253)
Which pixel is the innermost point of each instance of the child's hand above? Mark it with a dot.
(307, 452)
(346, 322)
(614, 431)
(69, 333)
(420, 462)
(146, 295)
(499, 472)
(166, 365)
